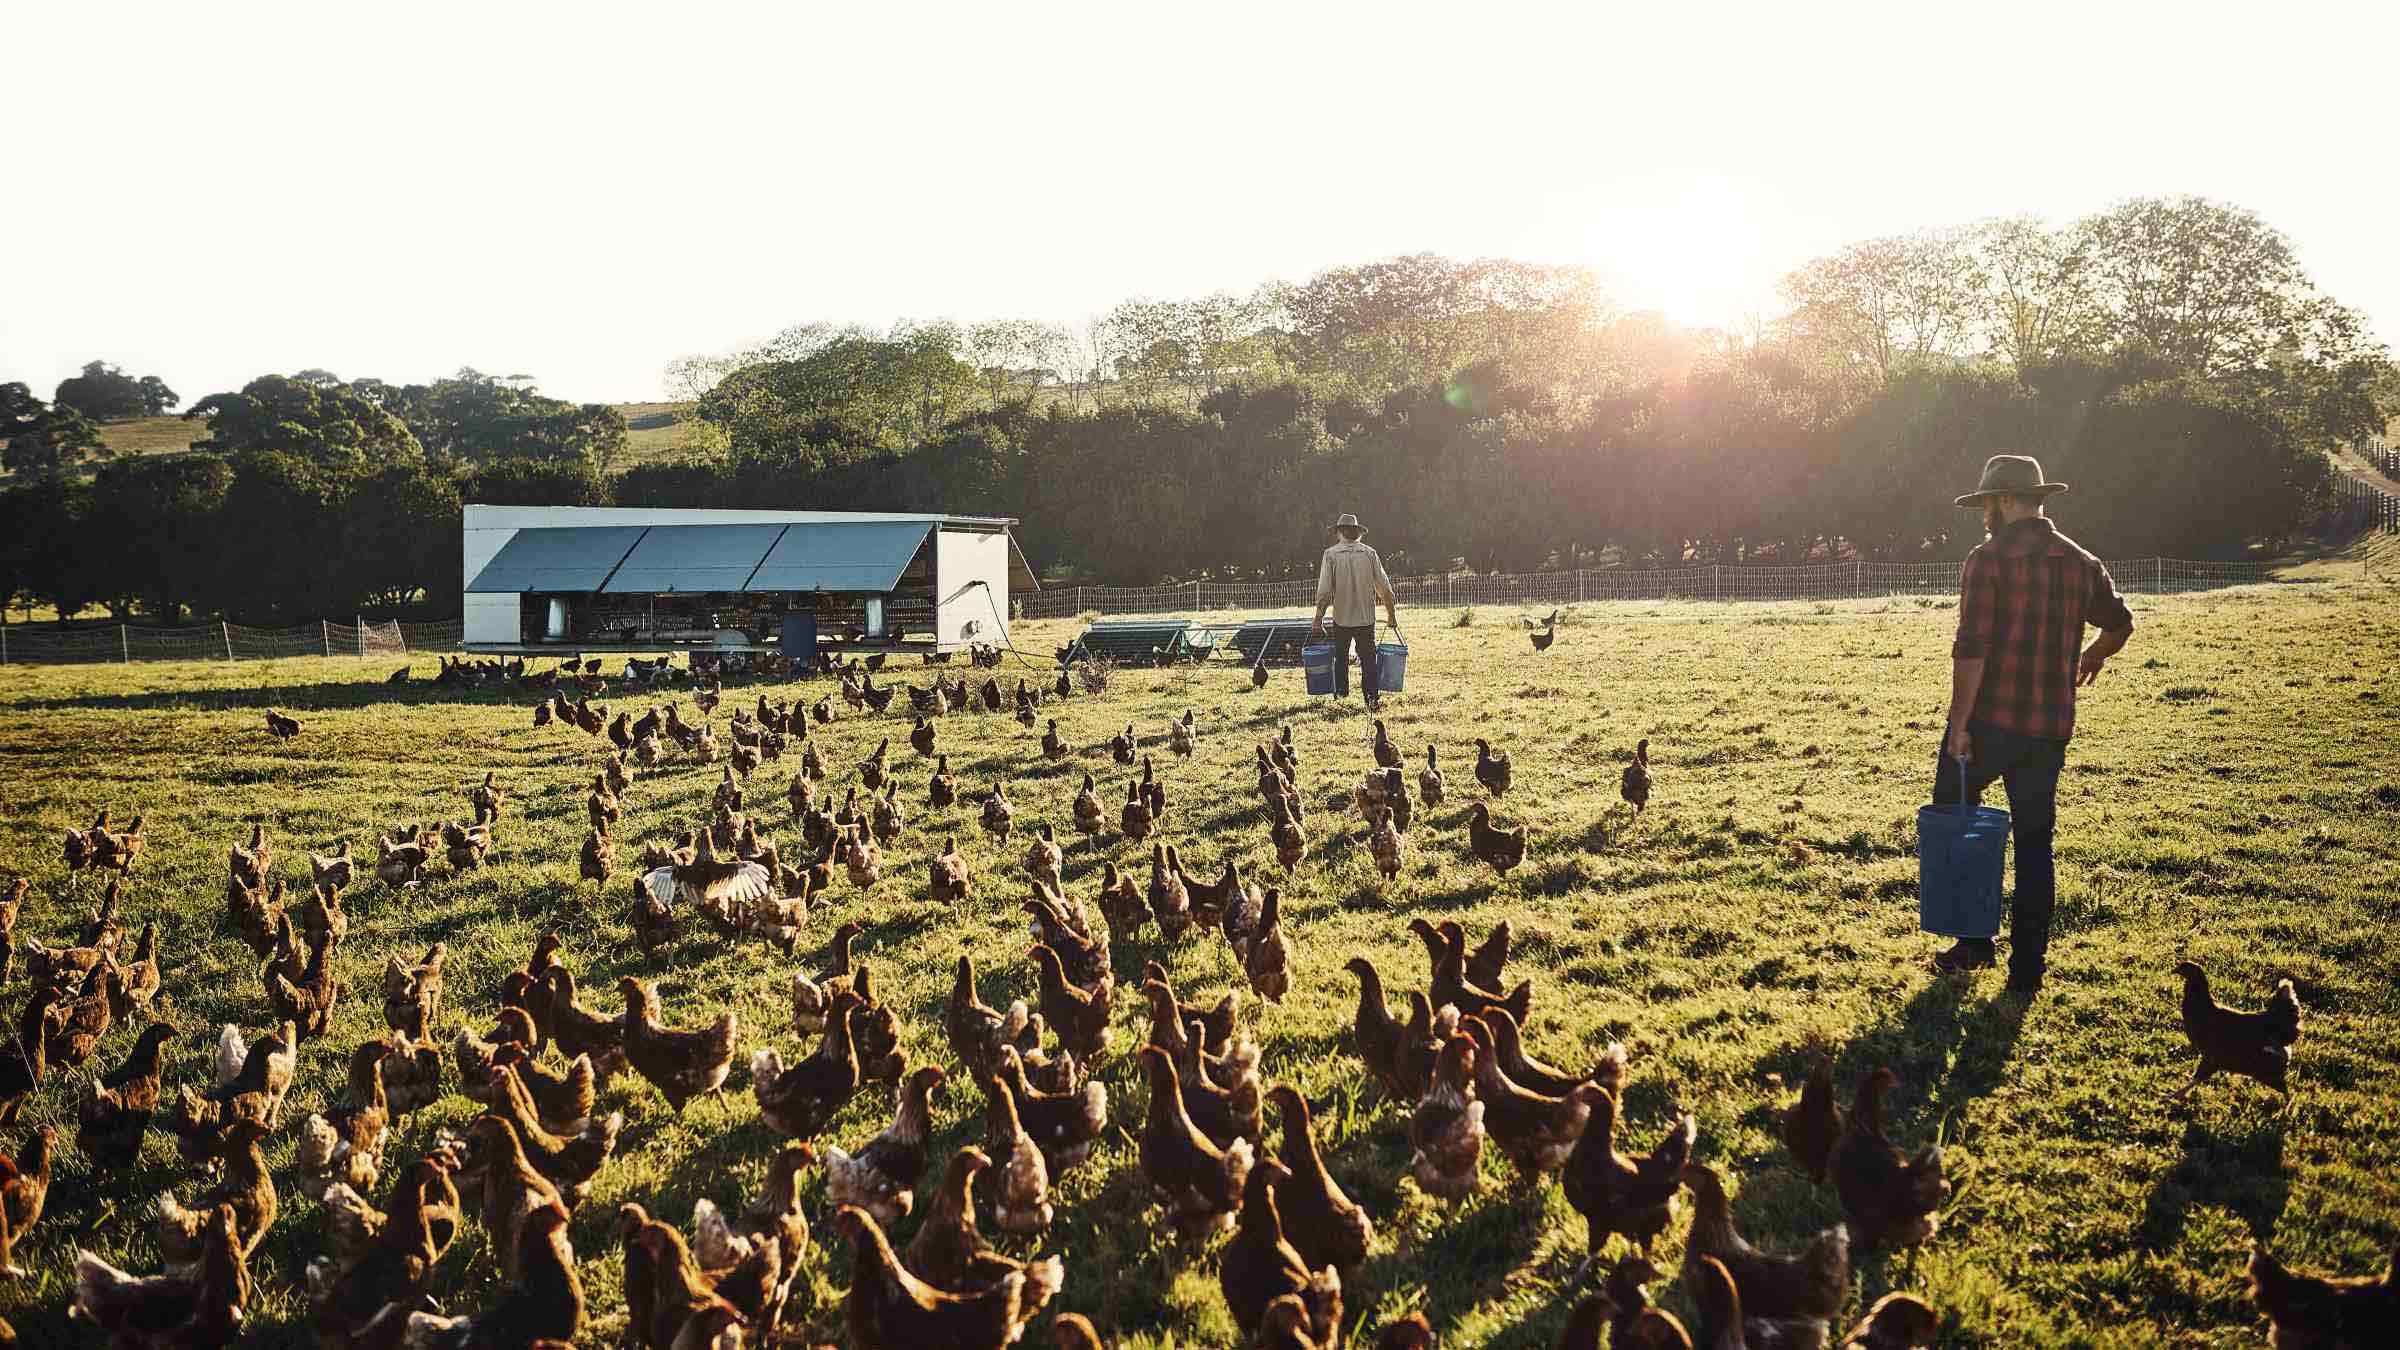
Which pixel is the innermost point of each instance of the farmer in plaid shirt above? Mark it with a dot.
(2025, 596)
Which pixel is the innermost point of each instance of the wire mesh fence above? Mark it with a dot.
(1814, 581)
(224, 642)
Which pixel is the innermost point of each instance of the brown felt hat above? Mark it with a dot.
(1347, 522)
(2011, 476)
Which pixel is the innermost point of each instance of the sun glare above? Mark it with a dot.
(1703, 251)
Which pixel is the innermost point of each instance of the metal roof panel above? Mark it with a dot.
(689, 558)
(849, 556)
(557, 559)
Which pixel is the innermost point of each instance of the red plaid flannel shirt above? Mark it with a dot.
(2024, 598)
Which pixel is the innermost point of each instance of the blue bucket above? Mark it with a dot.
(1316, 660)
(1961, 851)
(1391, 666)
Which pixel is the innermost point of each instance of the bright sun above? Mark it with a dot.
(1703, 251)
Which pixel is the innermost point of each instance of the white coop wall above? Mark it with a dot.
(968, 612)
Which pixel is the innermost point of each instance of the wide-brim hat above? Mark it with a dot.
(1347, 522)
(2011, 476)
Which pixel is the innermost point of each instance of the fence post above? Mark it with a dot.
(1079, 599)
(124, 645)
(1860, 585)
(225, 630)
(1450, 587)
(1196, 595)
(325, 637)
(1716, 581)
(1579, 585)
(3, 644)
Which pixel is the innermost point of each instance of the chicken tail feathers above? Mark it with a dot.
(2283, 1013)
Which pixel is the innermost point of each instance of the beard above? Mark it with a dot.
(1992, 519)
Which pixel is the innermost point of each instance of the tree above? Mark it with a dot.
(329, 425)
(104, 393)
(51, 441)
(1885, 303)
(535, 482)
(159, 516)
(474, 416)
(2037, 303)
(848, 396)
(157, 399)
(1016, 354)
(402, 535)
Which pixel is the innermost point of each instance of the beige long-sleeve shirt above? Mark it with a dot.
(1351, 576)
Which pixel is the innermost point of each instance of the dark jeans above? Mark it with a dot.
(2029, 766)
(1343, 640)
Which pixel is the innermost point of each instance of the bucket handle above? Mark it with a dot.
(1264, 648)
(1965, 807)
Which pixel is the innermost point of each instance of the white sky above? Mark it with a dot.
(585, 191)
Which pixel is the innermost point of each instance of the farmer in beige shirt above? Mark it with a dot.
(1350, 580)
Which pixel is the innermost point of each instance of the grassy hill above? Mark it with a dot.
(2233, 795)
(652, 431)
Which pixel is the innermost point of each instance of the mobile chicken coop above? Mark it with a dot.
(555, 579)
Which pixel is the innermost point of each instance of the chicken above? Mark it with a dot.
(881, 1179)
(309, 1001)
(1387, 754)
(949, 1254)
(2254, 1045)
(1170, 899)
(735, 1253)
(801, 1100)
(1723, 1325)
(1324, 1225)
(1061, 925)
(1021, 1193)
(1634, 787)
(510, 1185)
(399, 863)
(245, 1186)
(876, 1031)
(116, 1108)
(335, 870)
(666, 1292)
(977, 1031)
(412, 994)
(562, 1099)
(1535, 1132)
(248, 863)
(1503, 849)
(1202, 1184)
(1446, 1130)
(1183, 735)
(81, 1021)
(1064, 1123)
(1374, 1033)
(1286, 832)
(410, 1070)
(2310, 1310)
(1905, 1322)
(1889, 1198)
(1814, 1124)
(1618, 1194)
(1134, 820)
(1258, 1266)
(1121, 745)
(116, 851)
(1220, 1021)
(579, 1030)
(1154, 794)
(136, 984)
(1526, 1071)
(1798, 1294)
(1491, 770)
(24, 1190)
(1385, 843)
(345, 1143)
(1268, 962)
(1449, 986)
(465, 846)
(889, 1309)
(681, 1064)
(198, 1310)
(262, 1071)
(1079, 1016)
(1121, 904)
(320, 916)
(362, 1294)
(543, 1300)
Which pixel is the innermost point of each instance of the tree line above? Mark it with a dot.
(2167, 356)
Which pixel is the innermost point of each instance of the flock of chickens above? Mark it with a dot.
(1455, 1061)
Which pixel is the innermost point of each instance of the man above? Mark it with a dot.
(1350, 580)
(2025, 596)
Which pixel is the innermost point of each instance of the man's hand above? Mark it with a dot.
(1958, 744)
(1316, 626)
(2087, 670)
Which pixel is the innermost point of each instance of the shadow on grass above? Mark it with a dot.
(2239, 1169)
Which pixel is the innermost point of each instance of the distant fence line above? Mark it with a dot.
(226, 642)
(1813, 581)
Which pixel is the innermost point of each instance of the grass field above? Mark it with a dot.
(2233, 795)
